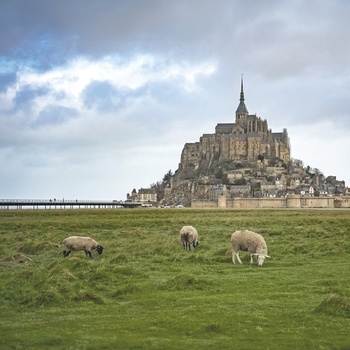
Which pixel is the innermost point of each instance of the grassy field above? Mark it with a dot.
(146, 292)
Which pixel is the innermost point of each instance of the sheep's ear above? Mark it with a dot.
(267, 256)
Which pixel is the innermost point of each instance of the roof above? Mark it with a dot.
(277, 136)
(242, 108)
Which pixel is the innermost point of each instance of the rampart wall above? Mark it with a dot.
(343, 202)
(292, 201)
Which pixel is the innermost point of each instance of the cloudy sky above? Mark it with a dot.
(98, 97)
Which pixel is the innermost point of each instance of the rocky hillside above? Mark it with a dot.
(260, 178)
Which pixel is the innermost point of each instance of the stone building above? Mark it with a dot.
(147, 195)
(144, 195)
(248, 139)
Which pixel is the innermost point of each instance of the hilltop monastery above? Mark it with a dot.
(249, 139)
(245, 165)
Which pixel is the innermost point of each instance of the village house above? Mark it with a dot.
(144, 195)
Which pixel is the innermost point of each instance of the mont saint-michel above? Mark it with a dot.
(244, 164)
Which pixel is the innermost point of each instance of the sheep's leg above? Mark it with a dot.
(234, 254)
(87, 252)
(251, 258)
(237, 256)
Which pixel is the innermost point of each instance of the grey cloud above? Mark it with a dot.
(103, 96)
(265, 36)
(45, 51)
(106, 25)
(6, 80)
(167, 92)
(26, 96)
(54, 115)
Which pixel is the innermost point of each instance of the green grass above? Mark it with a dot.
(146, 292)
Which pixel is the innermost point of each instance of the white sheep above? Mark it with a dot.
(188, 237)
(251, 242)
(87, 244)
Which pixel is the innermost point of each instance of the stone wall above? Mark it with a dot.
(342, 202)
(205, 203)
(243, 203)
(292, 201)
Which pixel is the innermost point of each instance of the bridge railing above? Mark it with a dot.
(36, 203)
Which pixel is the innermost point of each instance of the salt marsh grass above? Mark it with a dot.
(146, 292)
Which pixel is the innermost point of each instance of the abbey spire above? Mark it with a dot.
(242, 111)
(242, 107)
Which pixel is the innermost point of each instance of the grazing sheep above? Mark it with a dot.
(251, 242)
(81, 243)
(188, 237)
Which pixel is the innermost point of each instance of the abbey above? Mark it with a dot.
(248, 139)
(246, 165)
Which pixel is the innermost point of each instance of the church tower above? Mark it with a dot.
(242, 111)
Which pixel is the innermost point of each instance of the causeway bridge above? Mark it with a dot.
(64, 204)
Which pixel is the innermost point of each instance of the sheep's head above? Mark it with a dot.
(261, 258)
(99, 249)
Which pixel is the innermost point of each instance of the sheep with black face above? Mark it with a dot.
(189, 237)
(75, 243)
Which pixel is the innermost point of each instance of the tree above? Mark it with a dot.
(219, 173)
(167, 176)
